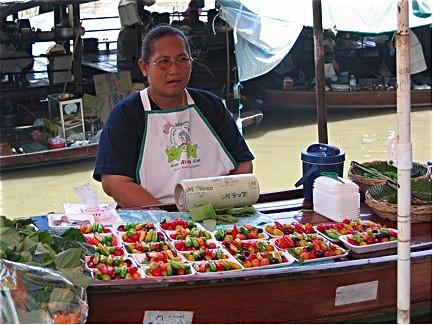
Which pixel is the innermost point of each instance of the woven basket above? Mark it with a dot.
(378, 197)
(419, 171)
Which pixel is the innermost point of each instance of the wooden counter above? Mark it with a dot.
(299, 294)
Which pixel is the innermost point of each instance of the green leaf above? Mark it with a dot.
(202, 212)
(68, 259)
(5, 222)
(9, 236)
(29, 244)
(43, 253)
(25, 256)
(74, 234)
(77, 277)
(45, 237)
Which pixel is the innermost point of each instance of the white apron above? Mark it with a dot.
(178, 144)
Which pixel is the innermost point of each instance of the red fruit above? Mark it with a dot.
(156, 272)
(102, 268)
(346, 221)
(118, 251)
(211, 245)
(110, 270)
(180, 272)
(132, 269)
(135, 236)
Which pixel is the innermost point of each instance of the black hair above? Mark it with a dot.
(158, 32)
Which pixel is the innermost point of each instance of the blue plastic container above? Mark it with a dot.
(318, 158)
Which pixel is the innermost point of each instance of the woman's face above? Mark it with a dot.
(169, 83)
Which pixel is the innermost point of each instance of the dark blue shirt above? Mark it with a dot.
(121, 139)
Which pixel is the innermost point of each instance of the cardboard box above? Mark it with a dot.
(110, 88)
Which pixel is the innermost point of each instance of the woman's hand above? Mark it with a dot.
(126, 192)
(244, 167)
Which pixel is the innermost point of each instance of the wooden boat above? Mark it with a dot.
(48, 157)
(346, 99)
(315, 293)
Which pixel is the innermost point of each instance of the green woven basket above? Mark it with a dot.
(382, 199)
(357, 175)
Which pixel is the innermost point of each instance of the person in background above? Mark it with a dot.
(417, 61)
(331, 65)
(193, 10)
(135, 21)
(14, 60)
(166, 132)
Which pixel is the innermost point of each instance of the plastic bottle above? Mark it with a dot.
(352, 83)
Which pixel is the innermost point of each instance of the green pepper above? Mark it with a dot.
(244, 230)
(188, 242)
(103, 259)
(168, 270)
(220, 234)
(358, 239)
(212, 266)
(261, 246)
(117, 260)
(332, 233)
(195, 242)
(123, 271)
(219, 254)
(175, 265)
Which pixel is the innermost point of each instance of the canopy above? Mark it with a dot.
(265, 31)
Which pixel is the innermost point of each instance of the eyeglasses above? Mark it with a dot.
(165, 63)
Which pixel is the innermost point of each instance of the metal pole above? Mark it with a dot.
(404, 162)
(319, 64)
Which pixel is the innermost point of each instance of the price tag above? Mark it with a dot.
(167, 317)
(354, 293)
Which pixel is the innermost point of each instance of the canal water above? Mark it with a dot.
(276, 142)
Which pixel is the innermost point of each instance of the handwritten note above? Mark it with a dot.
(167, 317)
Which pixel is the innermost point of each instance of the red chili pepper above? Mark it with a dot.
(279, 225)
(299, 228)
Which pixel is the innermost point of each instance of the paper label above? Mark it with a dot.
(222, 191)
(167, 317)
(356, 293)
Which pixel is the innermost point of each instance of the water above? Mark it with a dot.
(276, 143)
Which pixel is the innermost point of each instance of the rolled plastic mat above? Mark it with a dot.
(221, 191)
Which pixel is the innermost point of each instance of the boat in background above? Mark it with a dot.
(346, 99)
(48, 157)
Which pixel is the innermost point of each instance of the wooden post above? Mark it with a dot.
(404, 162)
(78, 52)
(319, 72)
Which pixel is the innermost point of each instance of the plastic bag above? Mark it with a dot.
(38, 295)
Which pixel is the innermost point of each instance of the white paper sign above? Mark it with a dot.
(167, 317)
(356, 293)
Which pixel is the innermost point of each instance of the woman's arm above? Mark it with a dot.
(244, 167)
(126, 192)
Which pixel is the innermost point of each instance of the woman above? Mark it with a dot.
(166, 133)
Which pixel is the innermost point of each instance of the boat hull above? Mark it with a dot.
(292, 294)
(274, 296)
(345, 99)
(48, 157)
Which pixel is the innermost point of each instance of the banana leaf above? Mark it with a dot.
(421, 190)
(388, 170)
